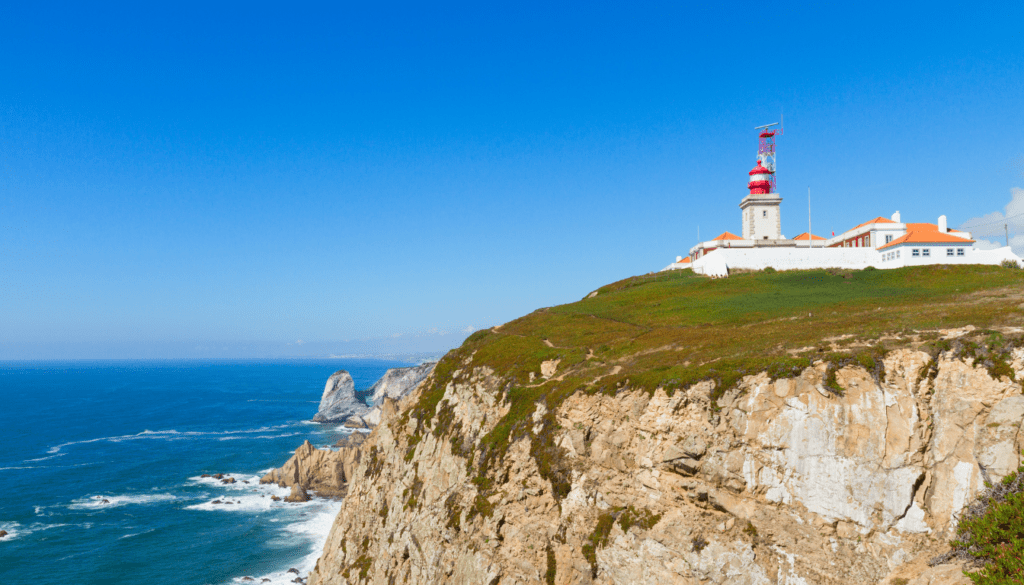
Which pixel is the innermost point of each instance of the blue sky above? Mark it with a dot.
(189, 180)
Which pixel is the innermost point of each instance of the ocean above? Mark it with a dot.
(101, 465)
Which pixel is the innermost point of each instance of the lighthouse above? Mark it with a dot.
(761, 218)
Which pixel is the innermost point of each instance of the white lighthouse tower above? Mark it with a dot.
(761, 217)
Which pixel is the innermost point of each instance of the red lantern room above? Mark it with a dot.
(760, 180)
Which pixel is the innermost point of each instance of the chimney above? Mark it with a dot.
(896, 217)
(942, 224)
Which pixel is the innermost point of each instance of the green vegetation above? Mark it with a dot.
(549, 576)
(627, 518)
(672, 330)
(991, 533)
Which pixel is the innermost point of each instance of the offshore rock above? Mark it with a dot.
(339, 401)
(323, 471)
(778, 482)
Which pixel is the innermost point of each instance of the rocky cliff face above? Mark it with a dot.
(394, 384)
(339, 401)
(778, 481)
(323, 471)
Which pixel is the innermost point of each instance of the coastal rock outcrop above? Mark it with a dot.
(783, 481)
(339, 400)
(322, 471)
(397, 382)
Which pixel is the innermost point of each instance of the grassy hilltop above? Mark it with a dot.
(671, 330)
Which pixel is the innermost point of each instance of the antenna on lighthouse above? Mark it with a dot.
(766, 150)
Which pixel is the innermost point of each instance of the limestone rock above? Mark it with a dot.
(323, 471)
(397, 382)
(298, 494)
(786, 484)
(339, 401)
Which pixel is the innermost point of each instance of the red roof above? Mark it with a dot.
(803, 236)
(759, 170)
(876, 220)
(925, 236)
(685, 260)
(727, 236)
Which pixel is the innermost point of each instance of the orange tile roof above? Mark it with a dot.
(685, 260)
(926, 236)
(876, 220)
(727, 236)
(803, 236)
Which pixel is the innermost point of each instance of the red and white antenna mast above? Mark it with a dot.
(766, 149)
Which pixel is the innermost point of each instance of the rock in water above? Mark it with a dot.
(339, 401)
(3, 533)
(323, 471)
(298, 494)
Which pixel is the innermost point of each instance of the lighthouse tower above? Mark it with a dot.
(761, 218)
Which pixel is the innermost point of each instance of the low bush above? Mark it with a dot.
(990, 535)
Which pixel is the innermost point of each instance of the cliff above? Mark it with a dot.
(827, 429)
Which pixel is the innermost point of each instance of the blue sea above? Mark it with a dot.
(101, 465)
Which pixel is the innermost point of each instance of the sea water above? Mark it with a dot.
(101, 468)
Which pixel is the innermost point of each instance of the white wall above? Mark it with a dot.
(938, 255)
(718, 263)
(721, 261)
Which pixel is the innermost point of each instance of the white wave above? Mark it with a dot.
(246, 494)
(45, 458)
(16, 530)
(101, 502)
(257, 437)
(24, 467)
(313, 528)
(137, 534)
(168, 435)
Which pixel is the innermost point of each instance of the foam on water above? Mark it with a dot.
(168, 435)
(314, 529)
(17, 530)
(100, 502)
(247, 494)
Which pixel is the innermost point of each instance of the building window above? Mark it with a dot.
(959, 251)
(764, 213)
(867, 241)
(897, 253)
(888, 239)
(926, 252)
(949, 251)
(915, 252)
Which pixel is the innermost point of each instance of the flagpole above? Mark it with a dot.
(810, 235)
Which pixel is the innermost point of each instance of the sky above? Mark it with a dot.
(284, 180)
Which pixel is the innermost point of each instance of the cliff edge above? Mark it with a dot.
(790, 428)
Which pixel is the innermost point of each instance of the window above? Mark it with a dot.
(915, 252)
(897, 253)
(949, 251)
(764, 213)
(959, 251)
(888, 239)
(926, 252)
(867, 241)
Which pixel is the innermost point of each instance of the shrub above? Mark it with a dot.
(769, 270)
(990, 534)
(1009, 263)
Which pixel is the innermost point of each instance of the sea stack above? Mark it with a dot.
(339, 401)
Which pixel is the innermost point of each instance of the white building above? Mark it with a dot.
(880, 242)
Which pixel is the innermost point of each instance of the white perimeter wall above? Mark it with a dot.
(720, 261)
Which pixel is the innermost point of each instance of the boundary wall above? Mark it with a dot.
(719, 262)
